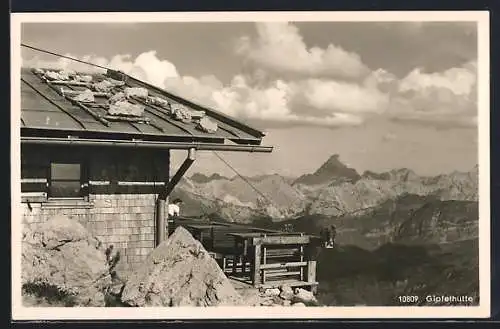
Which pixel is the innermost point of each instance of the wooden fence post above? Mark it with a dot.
(311, 274)
(256, 279)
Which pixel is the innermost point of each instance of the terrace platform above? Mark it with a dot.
(255, 257)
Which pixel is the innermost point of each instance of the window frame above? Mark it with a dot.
(84, 178)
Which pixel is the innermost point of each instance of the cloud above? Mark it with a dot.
(302, 102)
(279, 47)
(448, 97)
(327, 87)
(459, 80)
(330, 96)
(389, 137)
(147, 66)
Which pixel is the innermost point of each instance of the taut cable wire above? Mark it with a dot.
(62, 56)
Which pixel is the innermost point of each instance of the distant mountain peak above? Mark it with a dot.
(202, 178)
(331, 170)
(400, 174)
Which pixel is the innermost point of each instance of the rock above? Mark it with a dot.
(136, 92)
(299, 304)
(287, 303)
(66, 73)
(250, 296)
(86, 96)
(302, 295)
(83, 78)
(286, 292)
(63, 264)
(272, 292)
(267, 302)
(118, 97)
(159, 101)
(107, 85)
(179, 272)
(126, 108)
(103, 86)
(207, 125)
(51, 75)
(181, 113)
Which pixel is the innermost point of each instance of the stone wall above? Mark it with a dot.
(117, 214)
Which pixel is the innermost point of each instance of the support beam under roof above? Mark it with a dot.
(162, 218)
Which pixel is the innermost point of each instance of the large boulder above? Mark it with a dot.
(64, 265)
(304, 296)
(179, 272)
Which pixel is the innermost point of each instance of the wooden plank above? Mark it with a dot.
(288, 282)
(311, 271)
(238, 263)
(279, 253)
(73, 93)
(27, 197)
(248, 228)
(95, 115)
(281, 240)
(178, 174)
(99, 182)
(125, 183)
(110, 117)
(243, 234)
(33, 180)
(283, 265)
(256, 278)
(243, 263)
(70, 83)
(264, 260)
(279, 274)
(200, 226)
(301, 259)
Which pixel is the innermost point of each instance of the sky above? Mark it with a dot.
(380, 95)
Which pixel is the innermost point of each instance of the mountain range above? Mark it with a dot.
(333, 189)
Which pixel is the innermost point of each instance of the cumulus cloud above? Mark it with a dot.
(341, 97)
(306, 102)
(448, 97)
(280, 47)
(458, 80)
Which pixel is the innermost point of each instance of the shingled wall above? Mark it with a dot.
(118, 215)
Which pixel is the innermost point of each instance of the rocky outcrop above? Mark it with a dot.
(63, 265)
(179, 272)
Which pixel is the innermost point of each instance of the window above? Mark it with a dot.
(66, 180)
